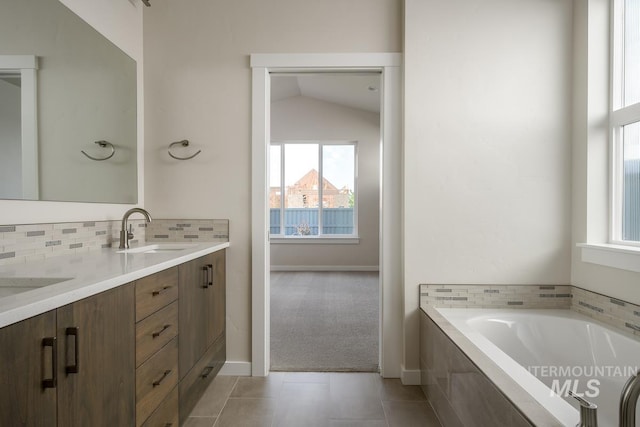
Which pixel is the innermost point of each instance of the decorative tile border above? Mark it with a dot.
(614, 312)
(496, 296)
(35, 242)
(188, 230)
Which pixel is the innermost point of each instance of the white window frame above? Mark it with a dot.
(345, 238)
(619, 116)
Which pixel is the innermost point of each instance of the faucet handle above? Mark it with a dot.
(588, 412)
(130, 232)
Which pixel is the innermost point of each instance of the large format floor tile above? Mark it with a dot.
(312, 399)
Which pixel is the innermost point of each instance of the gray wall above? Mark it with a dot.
(198, 86)
(487, 140)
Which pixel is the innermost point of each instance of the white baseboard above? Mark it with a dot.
(325, 268)
(410, 376)
(240, 369)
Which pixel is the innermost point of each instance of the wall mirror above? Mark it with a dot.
(64, 89)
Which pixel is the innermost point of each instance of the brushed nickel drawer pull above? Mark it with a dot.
(158, 382)
(157, 334)
(53, 381)
(159, 291)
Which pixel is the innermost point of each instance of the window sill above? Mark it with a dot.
(350, 240)
(616, 256)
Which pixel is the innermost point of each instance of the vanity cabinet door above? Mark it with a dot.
(27, 362)
(216, 306)
(96, 360)
(192, 311)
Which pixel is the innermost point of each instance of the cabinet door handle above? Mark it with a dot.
(210, 274)
(53, 381)
(75, 368)
(206, 372)
(157, 334)
(206, 277)
(159, 291)
(164, 375)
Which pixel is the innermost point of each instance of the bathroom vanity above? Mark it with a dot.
(131, 338)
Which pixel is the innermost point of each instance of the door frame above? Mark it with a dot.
(391, 288)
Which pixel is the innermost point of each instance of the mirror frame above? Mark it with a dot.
(27, 65)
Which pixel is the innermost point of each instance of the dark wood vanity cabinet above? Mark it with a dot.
(27, 362)
(141, 354)
(74, 366)
(157, 349)
(96, 360)
(202, 349)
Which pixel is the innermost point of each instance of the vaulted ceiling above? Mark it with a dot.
(354, 90)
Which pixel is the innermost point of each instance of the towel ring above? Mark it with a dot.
(102, 144)
(184, 143)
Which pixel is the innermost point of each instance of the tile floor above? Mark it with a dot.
(309, 399)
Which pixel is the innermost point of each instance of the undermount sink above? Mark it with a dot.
(16, 285)
(160, 248)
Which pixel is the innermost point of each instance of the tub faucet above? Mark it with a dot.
(629, 400)
(588, 412)
(126, 235)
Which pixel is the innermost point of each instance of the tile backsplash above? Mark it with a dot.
(496, 296)
(617, 313)
(612, 311)
(34, 242)
(188, 230)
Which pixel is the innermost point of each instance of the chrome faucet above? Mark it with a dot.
(588, 412)
(125, 235)
(629, 400)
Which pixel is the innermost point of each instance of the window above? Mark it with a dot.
(625, 122)
(312, 189)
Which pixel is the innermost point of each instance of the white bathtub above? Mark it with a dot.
(525, 342)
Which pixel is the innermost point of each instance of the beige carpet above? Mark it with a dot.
(324, 321)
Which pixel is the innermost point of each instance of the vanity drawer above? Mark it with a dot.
(155, 331)
(167, 413)
(200, 376)
(155, 378)
(156, 291)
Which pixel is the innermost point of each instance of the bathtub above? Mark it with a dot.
(547, 352)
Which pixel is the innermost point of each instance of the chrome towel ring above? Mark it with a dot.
(102, 144)
(184, 143)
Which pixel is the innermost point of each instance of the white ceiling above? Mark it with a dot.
(359, 91)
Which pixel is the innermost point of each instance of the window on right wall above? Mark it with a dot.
(625, 123)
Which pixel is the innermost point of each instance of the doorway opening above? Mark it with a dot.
(389, 206)
(324, 210)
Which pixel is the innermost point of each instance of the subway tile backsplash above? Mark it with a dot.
(612, 311)
(188, 230)
(496, 296)
(34, 242)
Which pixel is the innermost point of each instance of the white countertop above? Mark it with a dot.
(88, 274)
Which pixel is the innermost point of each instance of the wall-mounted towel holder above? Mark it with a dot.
(102, 144)
(184, 143)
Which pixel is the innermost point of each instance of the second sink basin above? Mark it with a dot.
(16, 285)
(159, 248)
